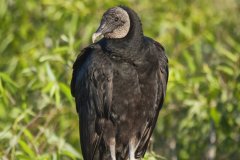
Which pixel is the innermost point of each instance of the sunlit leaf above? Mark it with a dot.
(26, 148)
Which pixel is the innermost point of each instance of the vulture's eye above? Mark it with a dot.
(116, 19)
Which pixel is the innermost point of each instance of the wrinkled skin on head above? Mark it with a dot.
(115, 24)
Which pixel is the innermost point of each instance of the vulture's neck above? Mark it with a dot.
(131, 43)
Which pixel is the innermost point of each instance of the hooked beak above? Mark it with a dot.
(100, 32)
(95, 36)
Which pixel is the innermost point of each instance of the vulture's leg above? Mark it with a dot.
(132, 148)
(113, 148)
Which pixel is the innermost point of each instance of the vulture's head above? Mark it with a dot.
(115, 24)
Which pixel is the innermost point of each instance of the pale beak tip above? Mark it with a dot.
(95, 36)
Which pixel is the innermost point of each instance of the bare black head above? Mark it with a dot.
(115, 24)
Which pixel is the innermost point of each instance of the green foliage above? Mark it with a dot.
(39, 40)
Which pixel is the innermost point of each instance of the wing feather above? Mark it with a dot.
(91, 86)
(162, 79)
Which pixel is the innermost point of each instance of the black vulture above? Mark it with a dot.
(119, 84)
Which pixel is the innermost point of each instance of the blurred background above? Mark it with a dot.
(39, 41)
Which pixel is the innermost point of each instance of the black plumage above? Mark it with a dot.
(119, 85)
